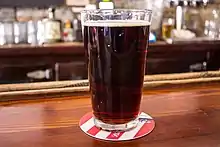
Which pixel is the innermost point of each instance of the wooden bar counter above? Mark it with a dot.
(186, 115)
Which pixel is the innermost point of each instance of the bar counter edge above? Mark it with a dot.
(78, 88)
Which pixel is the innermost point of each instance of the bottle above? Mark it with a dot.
(168, 22)
(77, 27)
(193, 19)
(52, 28)
(180, 14)
(68, 32)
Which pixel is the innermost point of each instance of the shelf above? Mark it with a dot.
(76, 48)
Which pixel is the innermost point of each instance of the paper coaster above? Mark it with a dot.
(145, 126)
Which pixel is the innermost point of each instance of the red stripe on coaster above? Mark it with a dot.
(93, 131)
(145, 129)
(115, 135)
(85, 118)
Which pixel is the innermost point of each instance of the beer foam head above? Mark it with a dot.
(117, 23)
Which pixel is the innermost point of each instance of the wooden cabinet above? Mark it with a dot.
(23, 63)
(178, 58)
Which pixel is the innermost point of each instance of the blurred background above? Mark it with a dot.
(42, 40)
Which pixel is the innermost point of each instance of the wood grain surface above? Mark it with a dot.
(185, 117)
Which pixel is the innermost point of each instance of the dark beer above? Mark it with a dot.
(85, 40)
(117, 57)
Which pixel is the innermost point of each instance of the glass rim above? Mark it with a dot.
(96, 11)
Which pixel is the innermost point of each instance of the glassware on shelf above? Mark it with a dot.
(8, 32)
(32, 32)
(20, 32)
(2, 34)
(167, 28)
(211, 25)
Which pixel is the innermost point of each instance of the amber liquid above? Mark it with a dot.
(167, 31)
(117, 57)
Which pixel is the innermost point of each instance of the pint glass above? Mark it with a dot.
(116, 45)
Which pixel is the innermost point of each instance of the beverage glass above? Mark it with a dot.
(116, 43)
(167, 28)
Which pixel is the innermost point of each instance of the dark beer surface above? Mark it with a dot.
(117, 54)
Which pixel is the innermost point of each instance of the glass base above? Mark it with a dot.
(116, 127)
